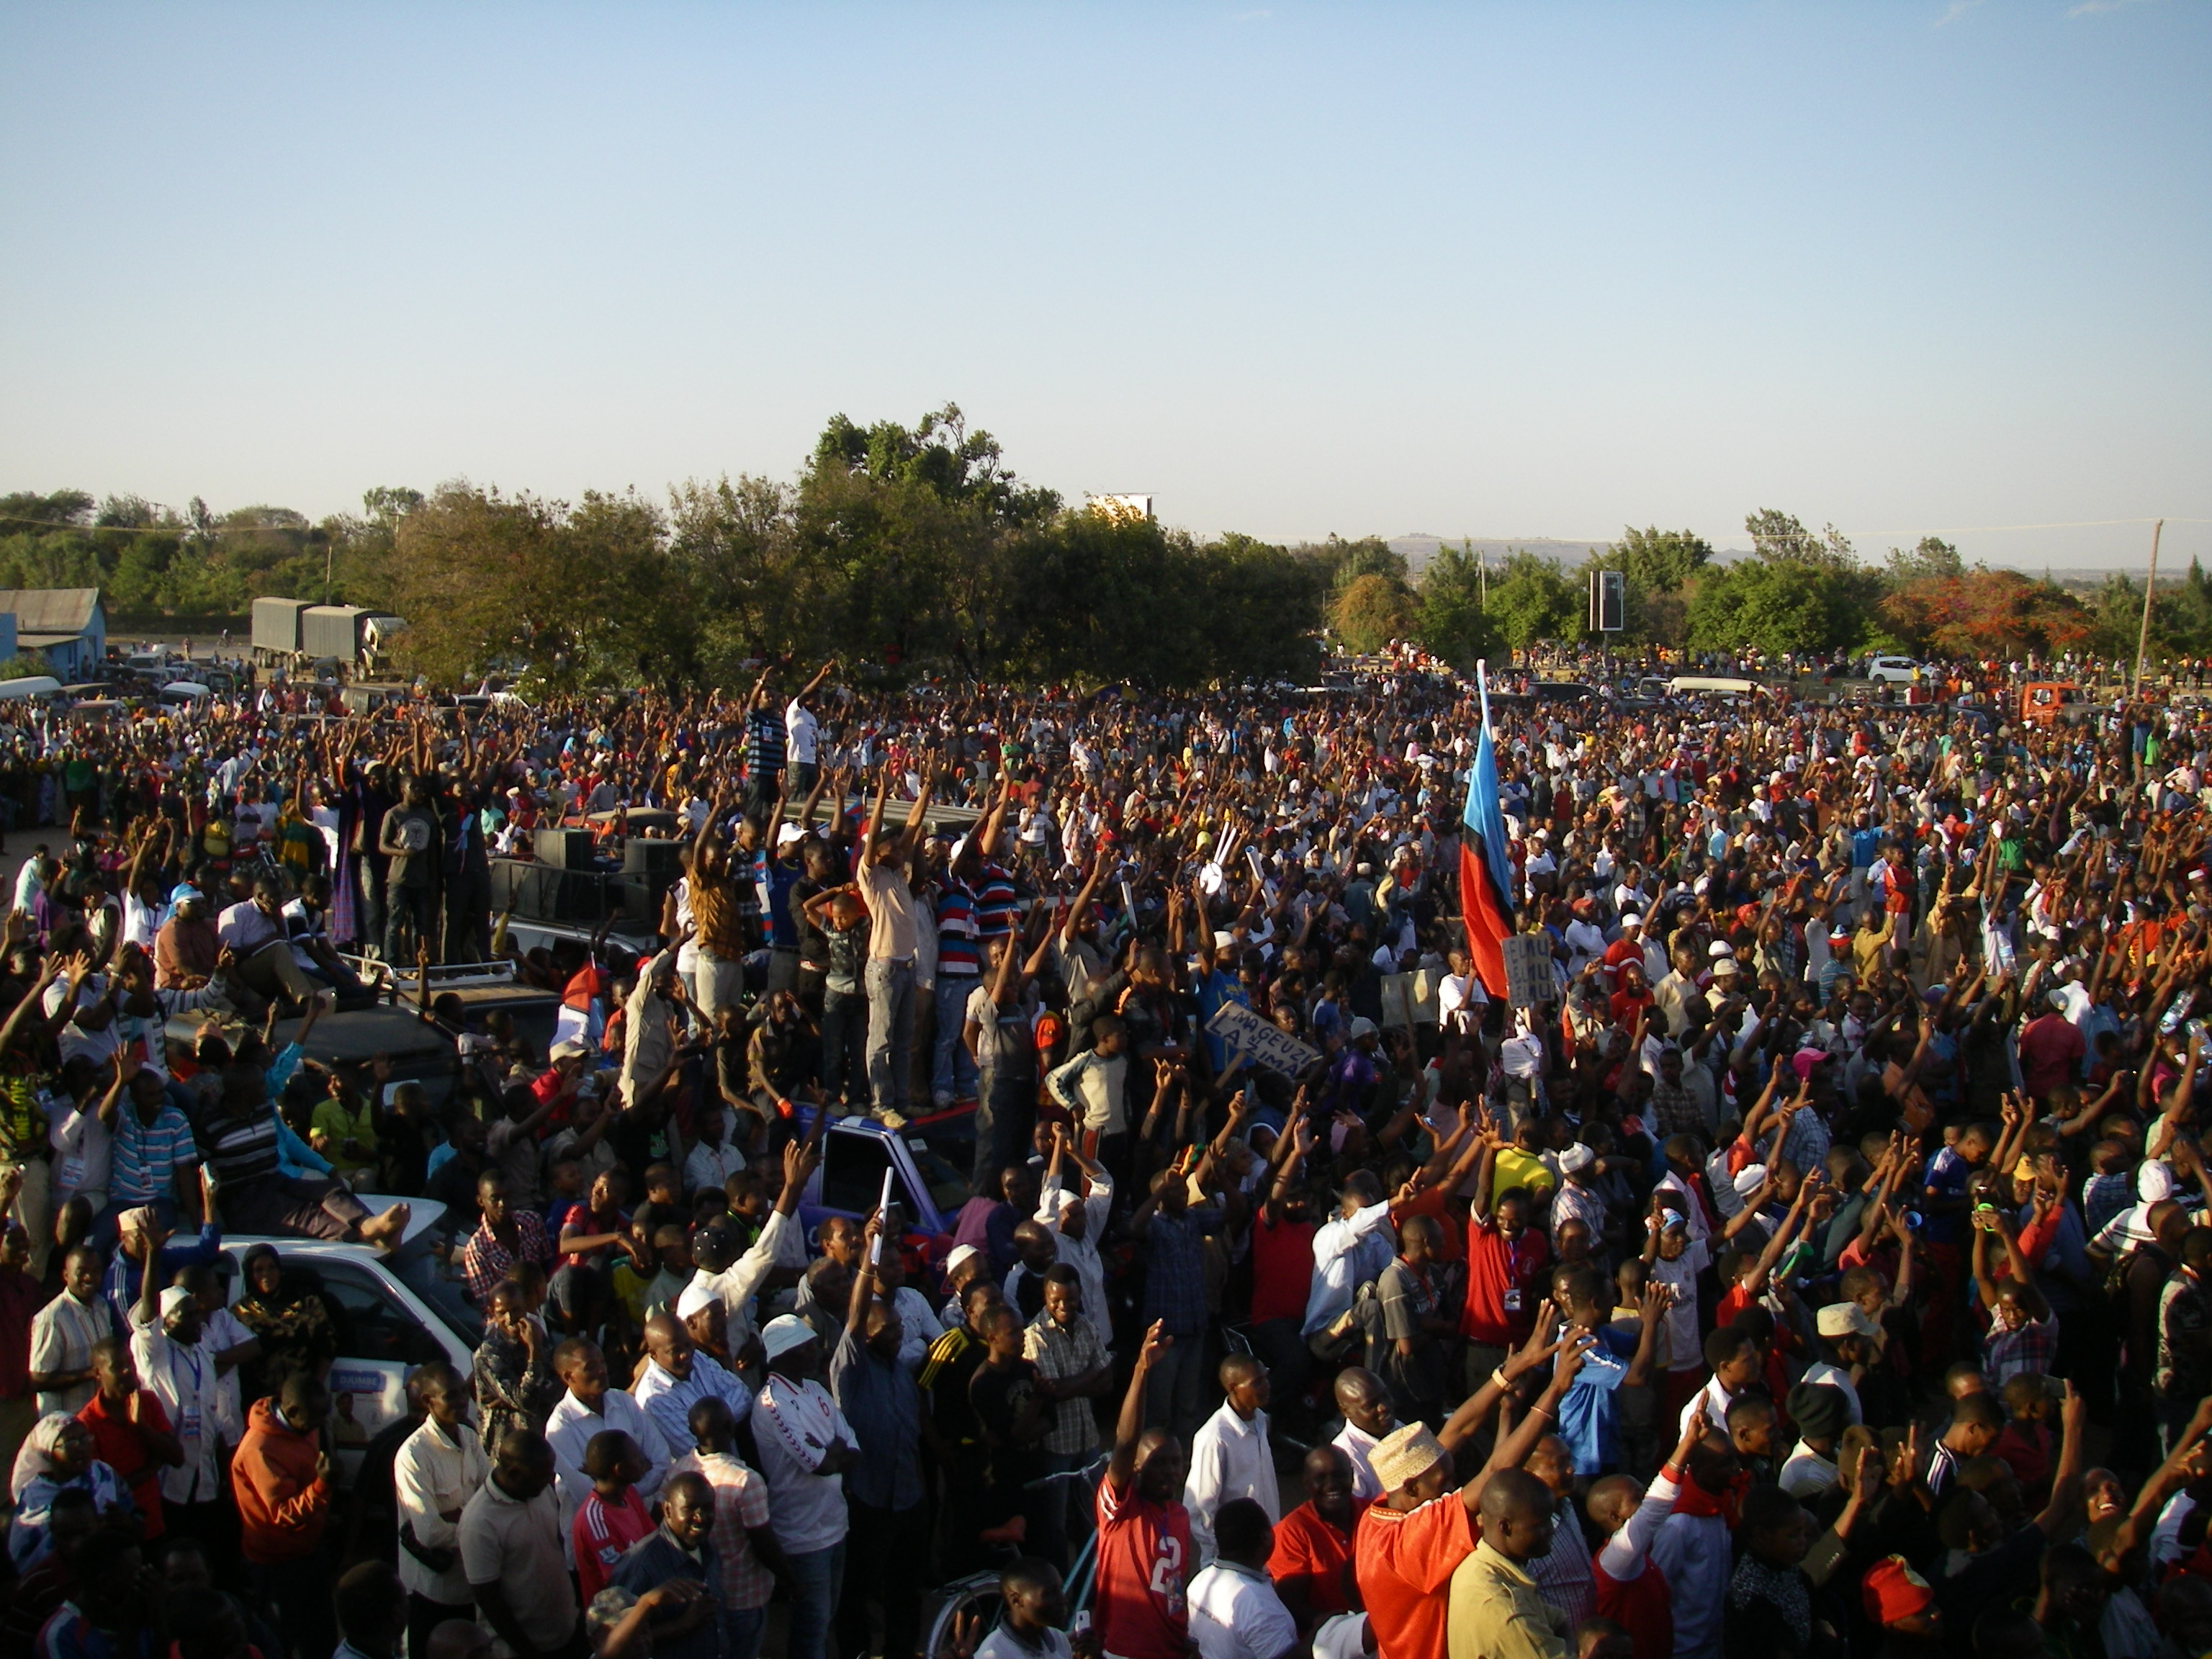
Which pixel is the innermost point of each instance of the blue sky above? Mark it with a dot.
(1493, 270)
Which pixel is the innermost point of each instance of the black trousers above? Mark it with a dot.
(410, 911)
(887, 1562)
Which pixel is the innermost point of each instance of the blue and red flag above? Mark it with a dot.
(1486, 871)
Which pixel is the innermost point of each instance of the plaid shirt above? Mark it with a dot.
(1062, 1351)
(1175, 1281)
(1673, 1111)
(2027, 1352)
(484, 1260)
(740, 1505)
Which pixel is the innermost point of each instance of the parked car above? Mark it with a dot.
(1893, 670)
(855, 1153)
(385, 1325)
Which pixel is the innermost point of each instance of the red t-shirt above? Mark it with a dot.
(1619, 954)
(1642, 1606)
(1405, 1562)
(122, 1447)
(1434, 1203)
(602, 1533)
(1311, 1550)
(1501, 1284)
(2051, 1051)
(1282, 1269)
(1142, 1550)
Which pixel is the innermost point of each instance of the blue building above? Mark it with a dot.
(64, 626)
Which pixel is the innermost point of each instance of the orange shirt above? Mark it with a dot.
(1405, 1562)
(1311, 1550)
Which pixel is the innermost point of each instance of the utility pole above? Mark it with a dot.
(2150, 589)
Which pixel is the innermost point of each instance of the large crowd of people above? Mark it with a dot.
(1814, 1264)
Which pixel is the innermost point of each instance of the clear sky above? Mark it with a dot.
(1532, 270)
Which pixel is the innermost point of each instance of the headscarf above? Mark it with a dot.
(255, 1253)
(37, 1457)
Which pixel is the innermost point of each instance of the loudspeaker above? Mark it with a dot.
(659, 860)
(564, 850)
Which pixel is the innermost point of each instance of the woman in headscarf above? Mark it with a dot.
(57, 1455)
(291, 1321)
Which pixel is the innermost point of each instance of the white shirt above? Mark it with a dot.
(140, 923)
(1713, 1400)
(1347, 1253)
(1235, 1614)
(431, 1474)
(793, 1424)
(736, 1283)
(569, 1429)
(1806, 1474)
(711, 1166)
(1229, 1458)
(182, 1376)
(219, 1330)
(1836, 1377)
(1082, 1253)
(802, 734)
(1000, 1645)
(1356, 1444)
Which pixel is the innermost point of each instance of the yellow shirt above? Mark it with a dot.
(1496, 1612)
(1515, 1168)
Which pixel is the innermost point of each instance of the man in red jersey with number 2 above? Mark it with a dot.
(1144, 1531)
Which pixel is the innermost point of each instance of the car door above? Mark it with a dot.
(380, 1339)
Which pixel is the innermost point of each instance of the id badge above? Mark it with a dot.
(1513, 1298)
(188, 1427)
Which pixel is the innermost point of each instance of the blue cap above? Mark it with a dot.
(183, 890)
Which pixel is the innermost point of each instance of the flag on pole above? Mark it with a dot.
(1485, 873)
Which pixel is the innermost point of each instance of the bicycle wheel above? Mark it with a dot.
(977, 1593)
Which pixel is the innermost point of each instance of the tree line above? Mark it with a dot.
(1801, 591)
(913, 550)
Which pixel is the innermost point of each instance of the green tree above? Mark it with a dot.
(1782, 539)
(1658, 565)
(1373, 610)
(1531, 598)
(63, 506)
(1452, 623)
(1932, 556)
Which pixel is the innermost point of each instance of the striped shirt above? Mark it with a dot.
(240, 1150)
(145, 1156)
(764, 744)
(998, 906)
(956, 954)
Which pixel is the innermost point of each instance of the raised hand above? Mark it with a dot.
(1156, 1343)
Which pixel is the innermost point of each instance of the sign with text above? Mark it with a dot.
(1529, 970)
(1246, 1033)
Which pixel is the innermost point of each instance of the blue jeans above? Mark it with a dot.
(890, 1030)
(817, 1580)
(741, 1632)
(951, 1074)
